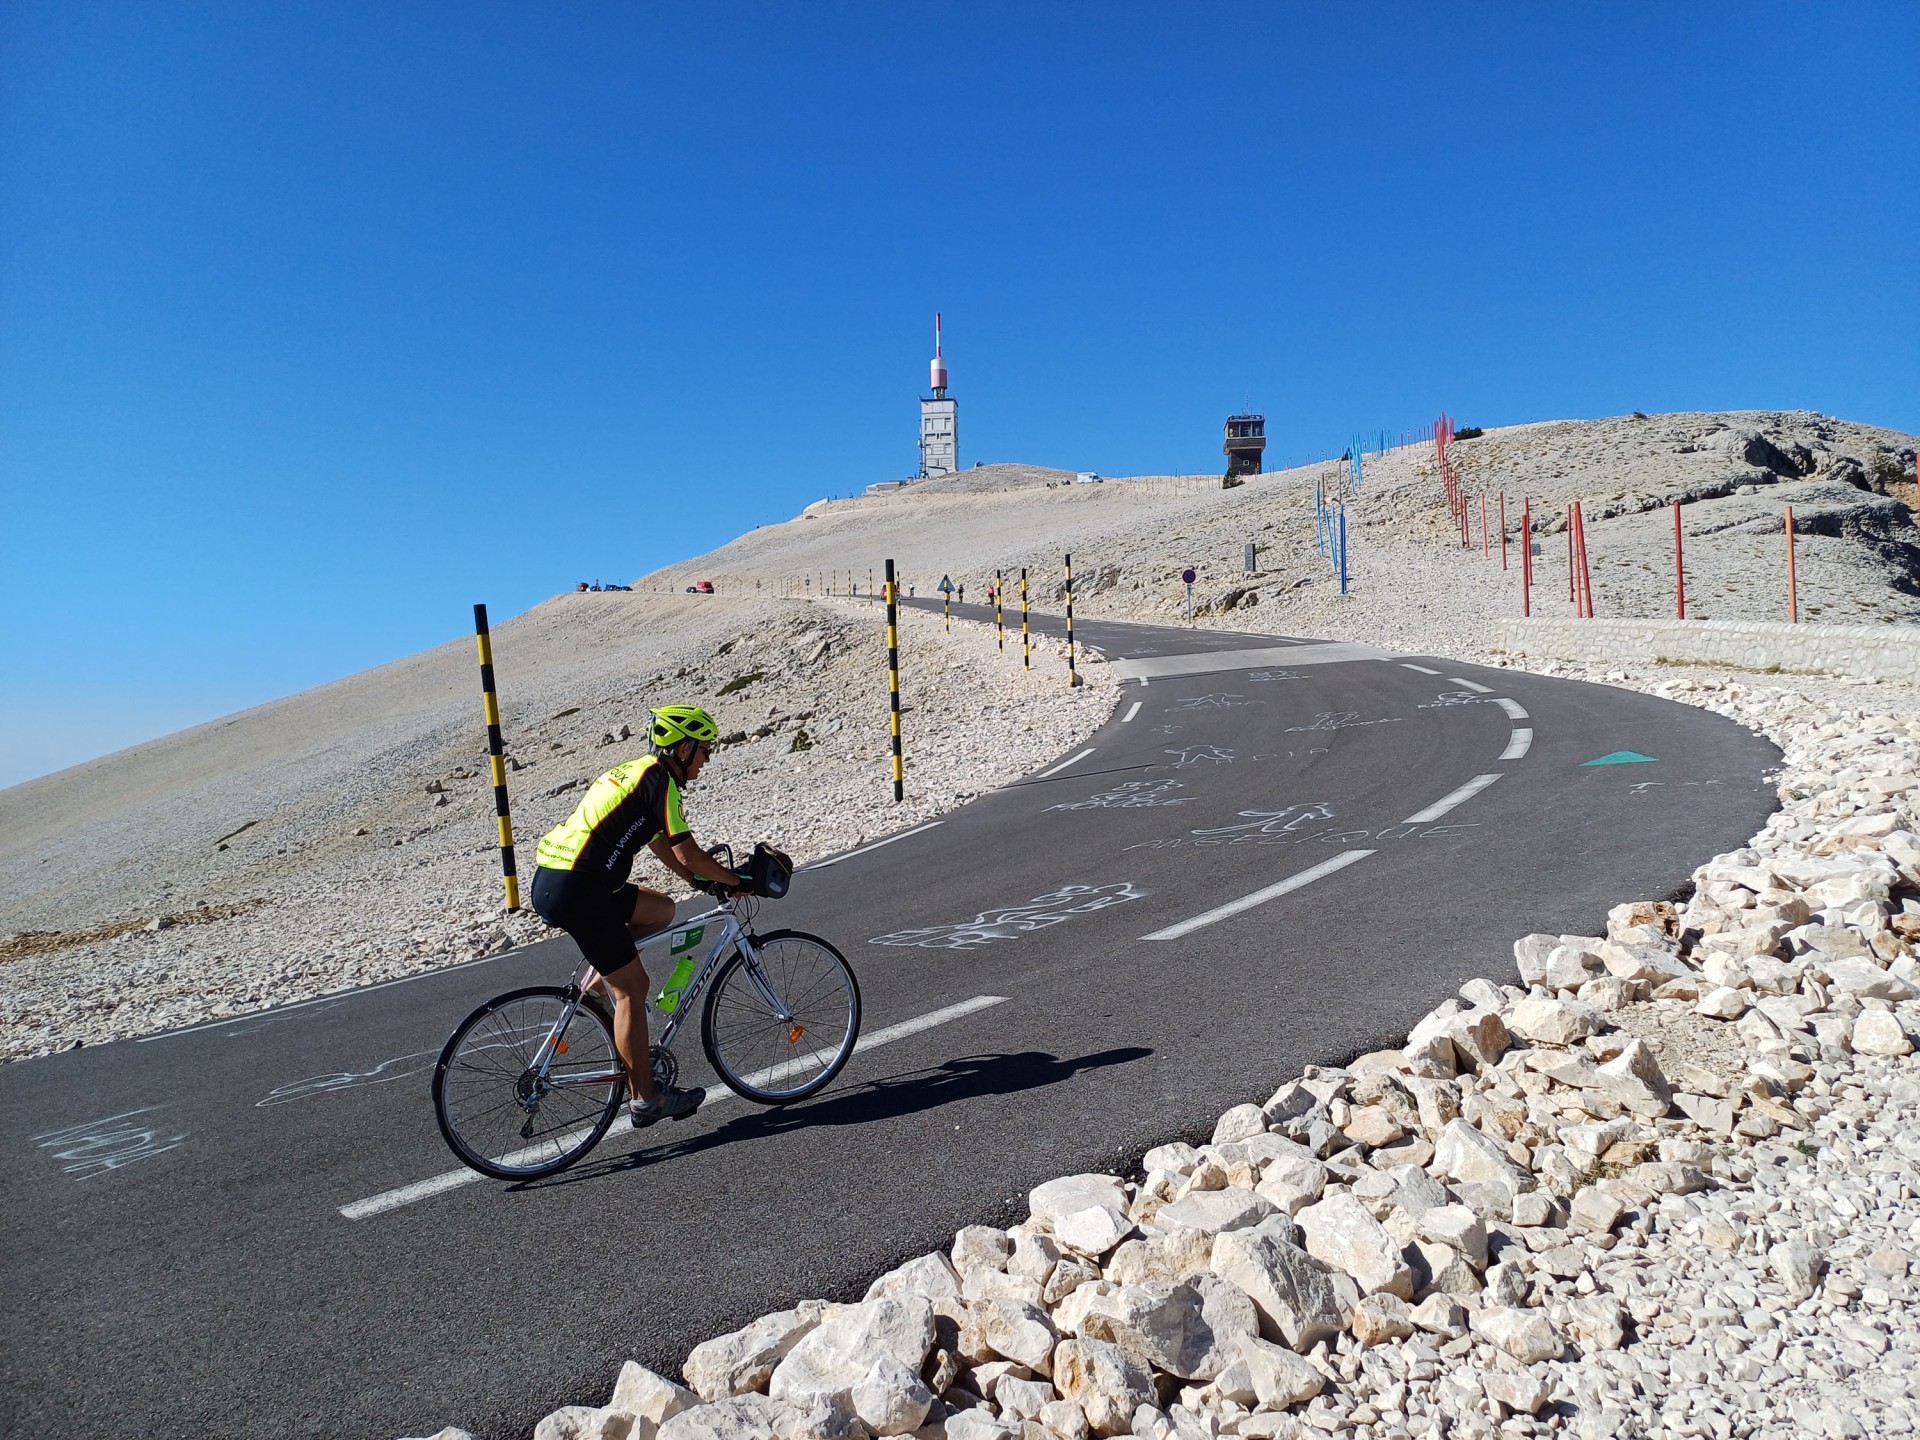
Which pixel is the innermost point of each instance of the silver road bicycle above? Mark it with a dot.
(530, 1082)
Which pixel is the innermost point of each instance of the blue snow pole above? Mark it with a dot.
(1343, 549)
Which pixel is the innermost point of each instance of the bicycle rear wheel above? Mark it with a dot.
(779, 1029)
(502, 1118)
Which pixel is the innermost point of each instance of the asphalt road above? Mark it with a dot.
(178, 1250)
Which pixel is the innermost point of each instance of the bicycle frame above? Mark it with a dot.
(733, 935)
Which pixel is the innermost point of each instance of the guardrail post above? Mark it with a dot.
(893, 684)
(1503, 529)
(496, 756)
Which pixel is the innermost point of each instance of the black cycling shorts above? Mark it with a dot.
(599, 920)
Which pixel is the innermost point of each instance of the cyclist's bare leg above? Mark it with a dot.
(629, 986)
(652, 911)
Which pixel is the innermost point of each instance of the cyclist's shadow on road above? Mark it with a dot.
(971, 1077)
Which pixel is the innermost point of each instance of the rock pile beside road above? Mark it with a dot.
(1657, 1182)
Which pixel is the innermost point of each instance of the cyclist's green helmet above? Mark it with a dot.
(674, 723)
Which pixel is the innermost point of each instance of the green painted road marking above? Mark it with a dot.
(1623, 757)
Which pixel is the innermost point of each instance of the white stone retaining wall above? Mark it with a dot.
(1883, 652)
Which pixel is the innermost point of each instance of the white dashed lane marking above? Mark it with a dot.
(1132, 710)
(1260, 897)
(1515, 710)
(1448, 802)
(1517, 747)
(1070, 760)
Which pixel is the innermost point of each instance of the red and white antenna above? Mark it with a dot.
(939, 368)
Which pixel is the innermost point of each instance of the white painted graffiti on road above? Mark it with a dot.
(93, 1147)
(1260, 677)
(1641, 787)
(1014, 920)
(1453, 697)
(1340, 720)
(1274, 822)
(1201, 755)
(398, 1068)
(1212, 702)
(1130, 795)
(1342, 839)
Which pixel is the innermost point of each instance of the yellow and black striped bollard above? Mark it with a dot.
(496, 755)
(1073, 676)
(1026, 635)
(893, 685)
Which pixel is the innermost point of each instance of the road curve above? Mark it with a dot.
(1273, 854)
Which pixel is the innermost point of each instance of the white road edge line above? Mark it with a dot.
(1447, 802)
(1469, 685)
(1517, 747)
(454, 1179)
(1408, 664)
(1260, 897)
(904, 834)
(1070, 760)
(1132, 710)
(1515, 710)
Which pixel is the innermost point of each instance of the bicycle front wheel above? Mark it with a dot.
(499, 1112)
(779, 1027)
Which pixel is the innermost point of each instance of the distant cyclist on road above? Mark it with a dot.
(581, 884)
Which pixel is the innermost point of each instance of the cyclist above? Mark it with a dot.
(581, 885)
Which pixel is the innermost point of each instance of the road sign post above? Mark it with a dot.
(1187, 577)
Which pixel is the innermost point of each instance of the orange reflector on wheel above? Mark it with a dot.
(559, 1047)
(793, 1035)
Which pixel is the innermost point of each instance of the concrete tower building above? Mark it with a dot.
(939, 420)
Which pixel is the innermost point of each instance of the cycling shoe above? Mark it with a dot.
(668, 1103)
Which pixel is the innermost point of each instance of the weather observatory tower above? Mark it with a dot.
(1246, 440)
(939, 420)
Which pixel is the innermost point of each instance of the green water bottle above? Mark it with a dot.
(669, 997)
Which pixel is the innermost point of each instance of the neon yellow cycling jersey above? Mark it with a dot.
(623, 810)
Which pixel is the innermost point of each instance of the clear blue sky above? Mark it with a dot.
(319, 322)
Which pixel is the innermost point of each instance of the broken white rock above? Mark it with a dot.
(1878, 1032)
(744, 1360)
(1526, 1335)
(1211, 1211)
(1292, 1292)
(1343, 1234)
(1467, 1154)
(1072, 1193)
(1553, 1022)
(1459, 1227)
(890, 1398)
(1724, 1003)
(651, 1399)
(1265, 1375)
(1018, 1331)
(1185, 1329)
(838, 1353)
(1105, 1382)
(584, 1422)
(1092, 1231)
